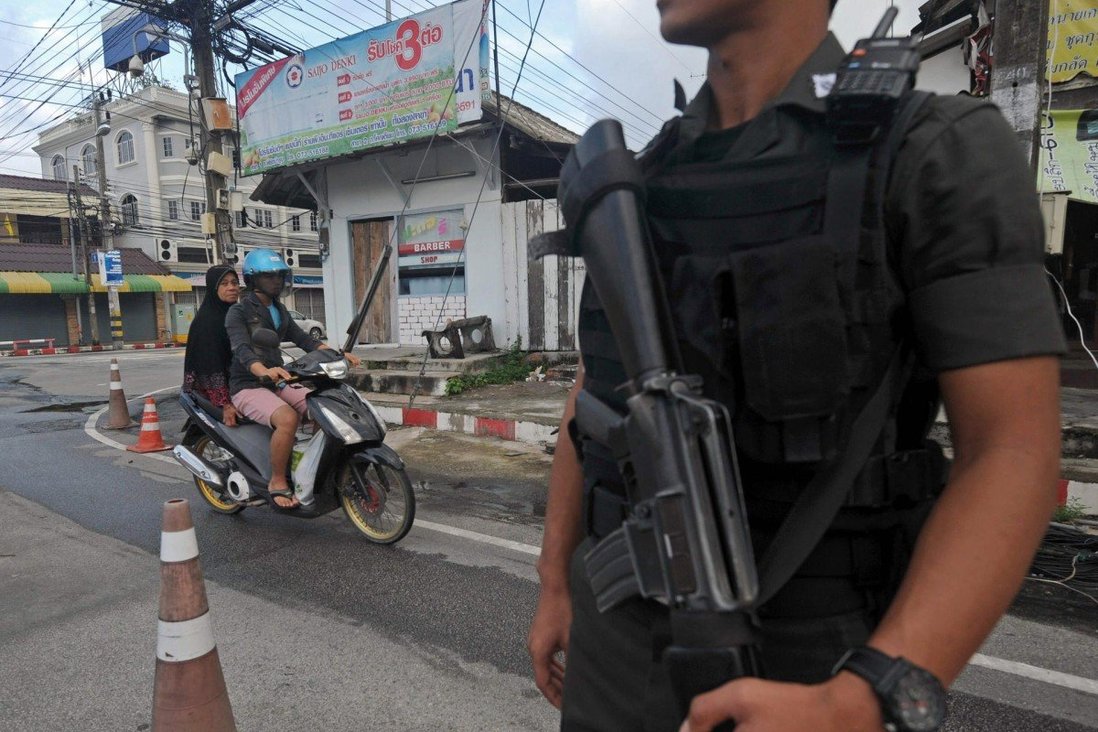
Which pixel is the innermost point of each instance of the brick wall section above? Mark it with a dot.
(161, 317)
(71, 321)
(418, 314)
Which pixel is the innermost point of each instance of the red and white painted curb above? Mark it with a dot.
(532, 433)
(1085, 495)
(83, 349)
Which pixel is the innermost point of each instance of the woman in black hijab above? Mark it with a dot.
(206, 364)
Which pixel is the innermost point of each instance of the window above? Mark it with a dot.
(310, 301)
(87, 155)
(129, 210)
(434, 281)
(197, 209)
(242, 219)
(59, 167)
(173, 210)
(258, 218)
(312, 221)
(295, 223)
(308, 261)
(125, 148)
(167, 147)
(268, 222)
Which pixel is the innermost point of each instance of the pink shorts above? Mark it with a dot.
(259, 404)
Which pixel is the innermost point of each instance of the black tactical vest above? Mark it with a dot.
(784, 299)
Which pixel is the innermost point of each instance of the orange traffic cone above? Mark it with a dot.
(118, 417)
(189, 693)
(149, 440)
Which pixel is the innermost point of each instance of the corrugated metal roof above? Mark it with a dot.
(530, 123)
(55, 258)
(46, 185)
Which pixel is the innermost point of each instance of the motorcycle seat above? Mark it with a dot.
(215, 411)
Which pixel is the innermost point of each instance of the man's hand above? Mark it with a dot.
(352, 359)
(277, 374)
(228, 415)
(548, 636)
(845, 703)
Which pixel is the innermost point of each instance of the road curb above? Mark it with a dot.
(532, 433)
(1083, 494)
(83, 349)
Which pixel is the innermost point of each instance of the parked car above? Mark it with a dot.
(313, 327)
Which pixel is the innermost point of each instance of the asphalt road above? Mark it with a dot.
(317, 628)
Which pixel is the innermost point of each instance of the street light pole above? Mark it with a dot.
(106, 233)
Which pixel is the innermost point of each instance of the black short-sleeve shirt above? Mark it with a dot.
(961, 212)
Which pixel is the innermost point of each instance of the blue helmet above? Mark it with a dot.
(259, 261)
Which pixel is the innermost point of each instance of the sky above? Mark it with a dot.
(588, 59)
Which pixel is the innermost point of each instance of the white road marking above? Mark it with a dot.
(475, 536)
(1057, 678)
(1016, 668)
(90, 431)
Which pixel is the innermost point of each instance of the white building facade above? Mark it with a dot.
(157, 196)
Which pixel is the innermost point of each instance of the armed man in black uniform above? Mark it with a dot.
(796, 282)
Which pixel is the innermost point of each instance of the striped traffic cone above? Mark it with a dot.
(189, 693)
(150, 439)
(118, 416)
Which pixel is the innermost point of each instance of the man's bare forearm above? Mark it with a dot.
(978, 543)
(563, 530)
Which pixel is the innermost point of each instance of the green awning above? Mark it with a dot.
(60, 283)
(41, 283)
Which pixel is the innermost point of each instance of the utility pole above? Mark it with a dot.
(106, 232)
(202, 48)
(1018, 70)
(72, 247)
(84, 237)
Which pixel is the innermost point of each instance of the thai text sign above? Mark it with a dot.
(402, 80)
(428, 240)
(1069, 153)
(110, 267)
(1072, 39)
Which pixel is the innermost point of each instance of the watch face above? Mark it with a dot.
(918, 701)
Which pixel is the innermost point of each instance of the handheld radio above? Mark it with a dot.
(872, 79)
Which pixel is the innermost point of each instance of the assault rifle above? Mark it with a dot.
(685, 542)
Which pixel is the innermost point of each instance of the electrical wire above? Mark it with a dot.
(1067, 557)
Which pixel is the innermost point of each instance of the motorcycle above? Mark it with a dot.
(344, 463)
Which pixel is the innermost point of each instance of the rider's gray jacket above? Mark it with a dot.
(241, 321)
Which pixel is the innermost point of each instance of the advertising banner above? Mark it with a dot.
(403, 80)
(1072, 39)
(110, 268)
(1069, 153)
(428, 240)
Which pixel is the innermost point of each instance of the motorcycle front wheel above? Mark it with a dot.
(211, 452)
(378, 500)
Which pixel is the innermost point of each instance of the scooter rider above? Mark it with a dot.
(266, 275)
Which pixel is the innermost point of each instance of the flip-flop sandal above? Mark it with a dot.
(284, 494)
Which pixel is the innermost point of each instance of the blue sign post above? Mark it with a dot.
(112, 268)
(110, 274)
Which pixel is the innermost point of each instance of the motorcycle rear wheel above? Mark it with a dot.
(379, 501)
(217, 501)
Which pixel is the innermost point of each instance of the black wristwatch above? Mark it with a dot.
(912, 699)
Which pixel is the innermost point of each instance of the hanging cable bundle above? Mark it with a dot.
(1068, 557)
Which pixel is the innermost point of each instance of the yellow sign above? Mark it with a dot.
(1072, 39)
(1069, 154)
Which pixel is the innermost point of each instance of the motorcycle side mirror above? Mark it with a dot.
(265, 338)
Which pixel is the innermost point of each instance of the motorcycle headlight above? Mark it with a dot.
(335, 369)
(348, 433)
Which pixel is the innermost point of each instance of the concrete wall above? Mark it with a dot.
(371, 188)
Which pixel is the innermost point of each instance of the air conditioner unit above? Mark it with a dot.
(290, 255)
(166, 251)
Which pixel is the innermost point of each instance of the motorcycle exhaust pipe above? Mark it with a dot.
(198, 466)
